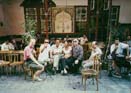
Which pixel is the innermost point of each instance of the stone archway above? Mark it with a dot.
(63, 23)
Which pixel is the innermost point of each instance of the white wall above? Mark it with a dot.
(71, 2)
(125, 10)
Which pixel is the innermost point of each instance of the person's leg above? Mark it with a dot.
(69, 63)
(88, 64)
(72, 65)
(56, 62)
(64, 70)
(77, 66)
(37, 74)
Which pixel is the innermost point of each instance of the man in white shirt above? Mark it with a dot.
(83, 40)
(7, 46)
(119, 51)
(45, 51)
(96, 51)
(56, 52)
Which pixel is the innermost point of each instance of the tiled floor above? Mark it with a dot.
(63, 84)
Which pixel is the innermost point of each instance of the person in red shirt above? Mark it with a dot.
(31, 60)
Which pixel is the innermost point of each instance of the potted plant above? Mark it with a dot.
(30, 32)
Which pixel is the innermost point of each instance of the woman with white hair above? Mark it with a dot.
(95, 51)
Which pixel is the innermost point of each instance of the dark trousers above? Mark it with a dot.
(65, 63)
(75, 67)
(122, 62)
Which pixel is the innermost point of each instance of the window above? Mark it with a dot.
(106, 4)
(81, 14)
(38, 15)
(81, 18)
(115, 15)
(31, 13)
(92, 4)
(43, 21)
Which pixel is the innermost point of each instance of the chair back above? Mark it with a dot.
(96, 65)
(17, 56)
(5, 56)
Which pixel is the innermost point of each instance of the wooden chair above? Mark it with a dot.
(17, 61)
(4, 61)
(93, 72)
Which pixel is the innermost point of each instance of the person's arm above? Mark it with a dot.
(51, 53)
(2, 47)
(112, 48)
(41, 48)
(81, 53)
(125, 46)
(34, 60)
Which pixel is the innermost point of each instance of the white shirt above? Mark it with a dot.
(83, 40)
(67, 52)
(6, 47)
(120, 48)
(44, 55)
(94, 52)
(56, 49)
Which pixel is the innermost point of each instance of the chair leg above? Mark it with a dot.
(7, 69)
(25, 74)
(32, 74)
(84, 84)
(82, 80)
(97, 82)
(24, 71)
(19, 69)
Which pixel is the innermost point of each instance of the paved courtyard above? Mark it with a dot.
(63, 84)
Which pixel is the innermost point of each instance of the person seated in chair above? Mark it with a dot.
(65, 61)
(56, 53)
(96, 51)
(6, 46)
(45, 53)
(119, 51)
(31, 61)
(77, 56)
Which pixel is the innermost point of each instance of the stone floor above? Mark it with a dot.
(63, 84)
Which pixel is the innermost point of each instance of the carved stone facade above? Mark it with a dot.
(63, 19)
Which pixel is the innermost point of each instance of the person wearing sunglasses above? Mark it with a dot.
(44, 52)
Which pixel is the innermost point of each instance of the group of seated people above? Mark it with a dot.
(120, 53)
(66, 57)
(12, 45)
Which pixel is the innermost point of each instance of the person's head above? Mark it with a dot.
(66, 44)
(70, 42)
(32, 42)
(117, 41)
(84, 36)
(57, 42)
(7, 42)
(46, 42)
(75, 42)
(94, 44)
(13, 41)
(129, 38)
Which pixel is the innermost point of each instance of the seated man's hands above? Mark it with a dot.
(128, 57)
(40, 65)
(76, 61)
